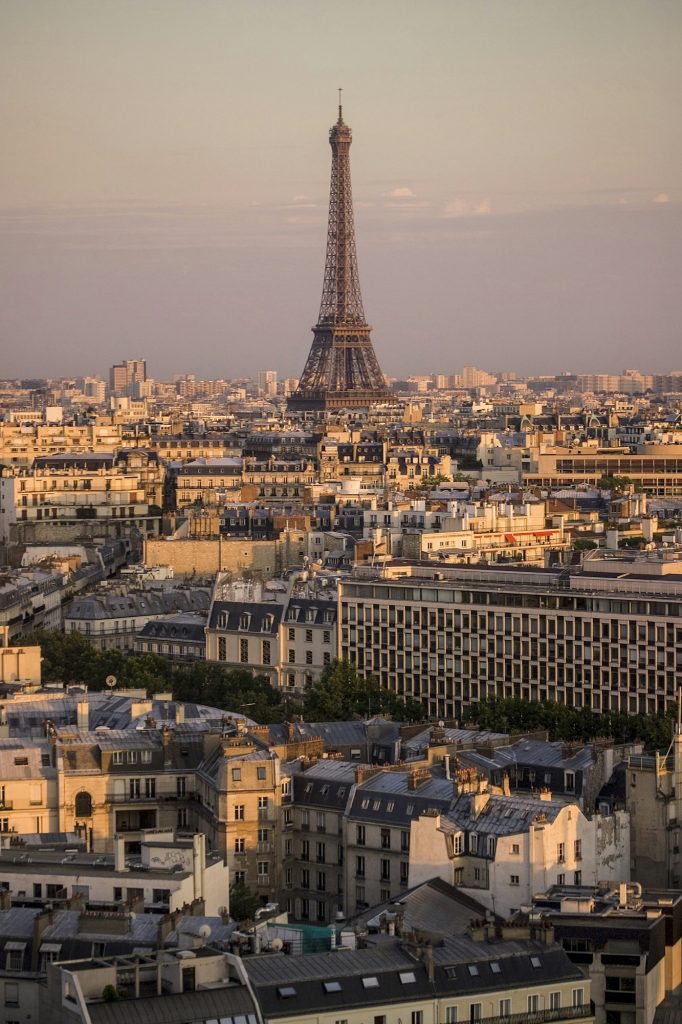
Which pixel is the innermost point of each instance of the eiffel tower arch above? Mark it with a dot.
(342, 370)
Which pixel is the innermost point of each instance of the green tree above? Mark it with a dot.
(341, 693)
(243, 903)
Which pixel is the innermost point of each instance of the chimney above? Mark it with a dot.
(166, 741)
(505, 785)
(179, 714)
(479, 802)
(545, 793)
(83, 715)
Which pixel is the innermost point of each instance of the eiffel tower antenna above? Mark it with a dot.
(342, 371)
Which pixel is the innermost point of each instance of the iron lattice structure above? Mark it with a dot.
(342, 371)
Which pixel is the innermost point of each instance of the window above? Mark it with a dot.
(360, 867)
(291, 633)
(243, 650)
(505, 1007)
(494, 967)
(561, 879)
(133, 788)
(577, 878)
(380, 1018)
(263, 868)
(515, 849)
(264, 835)
(370, 982)
(360, 835)
(417, 1017)
(263, 804)
(117, 757)
(404, 873)
(569, 779)
(404, 842)
(473, 970)
(385, 839)
(222, 648)
(83, 805)
(286, 991)
(236, 774)
(150, 788)
(450, 1015)
(578, 996)
(146, 756)
(183, 817)
(555, 1000)
(321, 852)
(474, 1012)
(305, 878)
(240, 878)
(308, 636)
(132, 756)
(458, 844)
(407, 977)
(513, 879)
(239, 812)
(292, 655)
(14, 959)
(578, 849)
(181, 785)
(385, 869)
(326, 637)
(240, 844)
(266, 652)
(11, 993)
(561, 852)
(535, 962)
(332, 986)
(308, 657)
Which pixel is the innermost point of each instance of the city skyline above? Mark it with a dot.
(516, 184)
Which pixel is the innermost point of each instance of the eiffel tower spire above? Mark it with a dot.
(342, 370)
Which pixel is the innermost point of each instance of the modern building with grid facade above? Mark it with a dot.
(606, 636)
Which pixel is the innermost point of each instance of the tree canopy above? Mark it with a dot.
(341, 693)
(564, 723)
(72, 659)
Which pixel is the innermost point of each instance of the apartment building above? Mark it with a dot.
(607, 635)
(501, 849)
(277, 480)
(209, 482)
(165, 871)
(657, 468)
(73, 495)
(20, 445)
(112, 618)
(626, 939)
(314, 833)
(289, 638)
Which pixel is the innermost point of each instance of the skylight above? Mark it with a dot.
(286, 991)
(370, 983)
(407, 977)
(332, 986)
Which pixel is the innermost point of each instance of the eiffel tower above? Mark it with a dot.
(342, 371)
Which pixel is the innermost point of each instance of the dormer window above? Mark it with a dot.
(267, 623)
(310, 615)
(244, 620)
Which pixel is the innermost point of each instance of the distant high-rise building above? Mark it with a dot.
(123, 375)
(267, 382)
(342, 370)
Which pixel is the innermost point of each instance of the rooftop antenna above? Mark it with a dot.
(340, 111)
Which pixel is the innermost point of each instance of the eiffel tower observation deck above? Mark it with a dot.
(342, 371)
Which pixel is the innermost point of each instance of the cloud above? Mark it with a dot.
(662, 197)
(464, 208)
(402, 192)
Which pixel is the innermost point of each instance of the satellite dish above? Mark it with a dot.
(205, 931)
(111, 682)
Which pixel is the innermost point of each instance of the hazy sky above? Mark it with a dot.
(517, 174)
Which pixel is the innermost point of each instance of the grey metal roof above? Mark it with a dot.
(501, 816)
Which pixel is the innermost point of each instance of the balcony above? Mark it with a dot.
(543, 1016)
